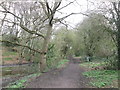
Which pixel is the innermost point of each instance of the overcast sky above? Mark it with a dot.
(77, 6)
(82, 6)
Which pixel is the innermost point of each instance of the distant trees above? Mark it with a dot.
(65, 39)
(111, 12)
(107, 31)
(94, 39)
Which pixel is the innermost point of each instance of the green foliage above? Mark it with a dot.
(96, 41)
(112, 63)
(52, 56)
(77, 53)
(93, 64)
(99, 84)
(62, 62)
(22, 70)
(93, 38)
(102, 78)
(35, 43)
(8, 53)
(107, 63)
(7, 58)
(65, 41)
(36, 57)
(20, 83)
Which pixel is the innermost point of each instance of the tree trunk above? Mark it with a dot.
(118, 39)
(44, 48)
(117, 22)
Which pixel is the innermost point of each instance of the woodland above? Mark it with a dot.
(38, 40)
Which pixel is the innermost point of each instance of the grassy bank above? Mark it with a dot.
(100, 77)
(20, 83)
(93, 64)
(103, 78)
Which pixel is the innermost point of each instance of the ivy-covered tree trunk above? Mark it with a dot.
(116, 7)
(45, 48)
(118, 39)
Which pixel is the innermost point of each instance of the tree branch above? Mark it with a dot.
(60, 19)
(26, 29)
(115, 8)
(22, 46)
(30, 31)
(56, 5)
(11, 13)
(44, 8)
(67, 5)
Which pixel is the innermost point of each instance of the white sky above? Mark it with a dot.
(76, 7)
(83, 6)
(80, 6)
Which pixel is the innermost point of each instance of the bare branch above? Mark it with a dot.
(3, 19)
(22, 46)
(26, 29)
(66, 5)
(116, 10)
(56, 5)
(44, 8)
(30, 31)
(60, 19)
(11, 14)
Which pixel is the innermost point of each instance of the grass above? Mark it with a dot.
(7, 58)
(20, 83)
(62, 63)
(102, 78)
(8, 53)
(93, 64)
(27, 69)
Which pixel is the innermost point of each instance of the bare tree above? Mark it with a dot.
(50, 12)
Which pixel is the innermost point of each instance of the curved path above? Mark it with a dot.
(69, 77)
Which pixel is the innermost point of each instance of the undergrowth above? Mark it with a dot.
(102, 78)
(93, 64)
(62, 63)
(20, 83)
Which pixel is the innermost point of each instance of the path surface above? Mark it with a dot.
(69, 77)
